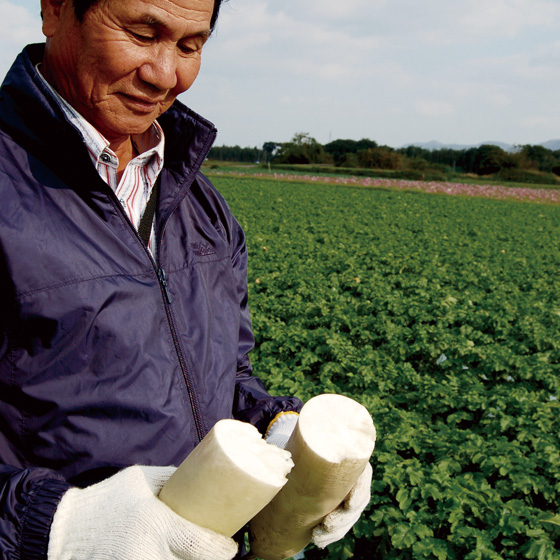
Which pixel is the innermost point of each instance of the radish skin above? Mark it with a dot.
(230, 476)
(330, 446)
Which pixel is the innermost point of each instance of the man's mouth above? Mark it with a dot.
(143, 104)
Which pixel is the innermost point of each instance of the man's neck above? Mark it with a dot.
(126, 151)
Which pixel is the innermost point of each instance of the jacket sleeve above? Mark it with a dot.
(252, 403)
(28, 500)
(28, 497)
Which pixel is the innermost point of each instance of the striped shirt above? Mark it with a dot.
(138, 179)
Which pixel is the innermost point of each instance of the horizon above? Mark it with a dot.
(440, 145)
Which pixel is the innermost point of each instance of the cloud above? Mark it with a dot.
(408, 23)
(538, 121)
(433, 108)
(508, 18)
(291, 44)
(393, 71)
(18, 27)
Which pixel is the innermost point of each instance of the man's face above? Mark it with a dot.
(127, 61)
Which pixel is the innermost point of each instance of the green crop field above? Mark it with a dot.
(441, 315)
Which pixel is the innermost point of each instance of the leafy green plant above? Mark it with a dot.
(442, 316)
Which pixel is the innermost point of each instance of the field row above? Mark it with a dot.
(500, 192)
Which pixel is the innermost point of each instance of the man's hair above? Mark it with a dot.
(82, 6)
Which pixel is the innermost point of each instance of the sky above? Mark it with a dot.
(394, 71)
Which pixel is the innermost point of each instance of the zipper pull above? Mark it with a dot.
(163, 281)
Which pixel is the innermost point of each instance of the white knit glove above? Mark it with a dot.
(337, 523)
(121, 518)
(281, 428)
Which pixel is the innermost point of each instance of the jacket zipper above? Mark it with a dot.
(162, 280)
(200, 430)
(190, 390)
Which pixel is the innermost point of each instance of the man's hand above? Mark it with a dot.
(121, 518)
(281, 428)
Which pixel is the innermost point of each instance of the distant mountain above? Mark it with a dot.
(551, 145)
(435, 145)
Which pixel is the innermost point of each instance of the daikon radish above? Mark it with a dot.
(330, 445)
(230, 476)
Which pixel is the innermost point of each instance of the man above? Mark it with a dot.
(124, 325)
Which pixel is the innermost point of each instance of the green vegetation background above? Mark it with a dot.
(532, 164)
(442, 316)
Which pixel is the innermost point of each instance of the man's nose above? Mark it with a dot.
(160, 67)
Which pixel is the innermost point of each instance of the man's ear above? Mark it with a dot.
(51, 12)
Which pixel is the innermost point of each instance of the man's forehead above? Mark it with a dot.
(163, 13)
(202, 6)
(154, 21)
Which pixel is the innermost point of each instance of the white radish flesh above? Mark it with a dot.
(230, 476)
(331, 444)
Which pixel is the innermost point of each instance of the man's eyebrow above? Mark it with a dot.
(155, 22)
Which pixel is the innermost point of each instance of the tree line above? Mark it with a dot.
(529, 163)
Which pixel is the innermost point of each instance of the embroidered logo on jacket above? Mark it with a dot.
(202, 249)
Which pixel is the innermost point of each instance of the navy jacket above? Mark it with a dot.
(108, 358)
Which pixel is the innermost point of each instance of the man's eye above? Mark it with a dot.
(142, 38)
(188, 49)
